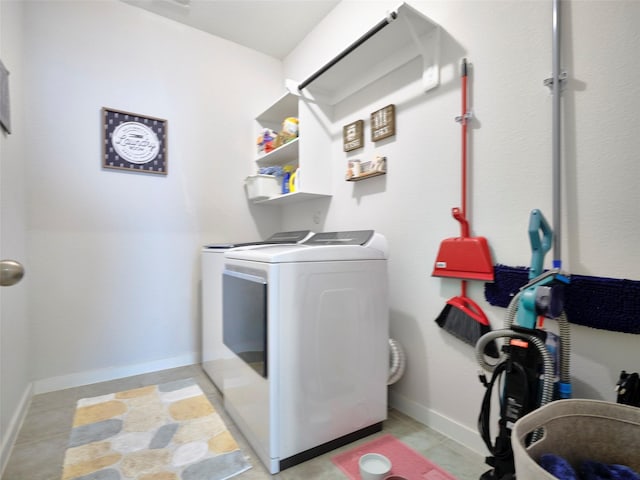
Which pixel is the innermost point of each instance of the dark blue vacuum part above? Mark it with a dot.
(597, 302)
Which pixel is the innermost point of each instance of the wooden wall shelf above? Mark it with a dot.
(364, 176)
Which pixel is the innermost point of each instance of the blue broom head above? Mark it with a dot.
(597, 302)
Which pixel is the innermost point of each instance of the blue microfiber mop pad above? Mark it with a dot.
(558, 467)
(590, 470)
(597, 302)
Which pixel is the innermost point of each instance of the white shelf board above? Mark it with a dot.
(284, 154)
(289, 198)
(285, 106)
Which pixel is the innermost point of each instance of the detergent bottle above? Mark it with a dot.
(294, 181)
(288, 170)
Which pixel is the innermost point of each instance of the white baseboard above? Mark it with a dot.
(111, 373)
(10, 436)
(466, 436)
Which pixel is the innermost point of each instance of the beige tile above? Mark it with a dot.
(98, 389)
(320, 468)
(39, 460)
(54, 400)
(170, 375)
(457, 460)
(39, 451)
(41, 424)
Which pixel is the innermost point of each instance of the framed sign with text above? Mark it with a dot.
(353, 135)
(133, 142)
(383, 123)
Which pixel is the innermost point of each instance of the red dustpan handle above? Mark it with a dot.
(464, 223)
(463, 122)
(471, 308)
(460, 213)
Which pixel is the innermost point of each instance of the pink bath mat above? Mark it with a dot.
(404, 460)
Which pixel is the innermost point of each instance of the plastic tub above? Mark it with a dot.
(262, 187)
(577, 430)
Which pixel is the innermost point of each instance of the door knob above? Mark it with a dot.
(11, 272)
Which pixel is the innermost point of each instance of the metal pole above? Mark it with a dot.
(379, 26)
(556, 138)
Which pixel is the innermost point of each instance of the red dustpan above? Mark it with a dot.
(464, 257)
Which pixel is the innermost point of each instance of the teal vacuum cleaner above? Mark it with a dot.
(533, 367)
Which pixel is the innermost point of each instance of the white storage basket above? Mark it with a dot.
(577, 430)
(262, 187)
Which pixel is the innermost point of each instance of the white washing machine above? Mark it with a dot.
(308, 328)
(213, 350)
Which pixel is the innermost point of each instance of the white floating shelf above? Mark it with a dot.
(289, 198)
(409, 35)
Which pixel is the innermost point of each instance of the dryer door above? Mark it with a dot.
(244, 317)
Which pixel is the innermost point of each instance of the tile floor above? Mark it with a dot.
(39, 450)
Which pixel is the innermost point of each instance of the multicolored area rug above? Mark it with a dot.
(405, 461)
(160, 432)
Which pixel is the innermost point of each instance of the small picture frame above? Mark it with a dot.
(383, 123)
(353, 135)
(133, 142)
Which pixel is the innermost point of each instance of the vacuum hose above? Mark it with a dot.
(565, 341)
(397, 361)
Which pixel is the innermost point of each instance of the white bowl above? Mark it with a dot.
(374, 466)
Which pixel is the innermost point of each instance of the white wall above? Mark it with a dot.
(15, 371)
(509, 46)
(115, 282)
